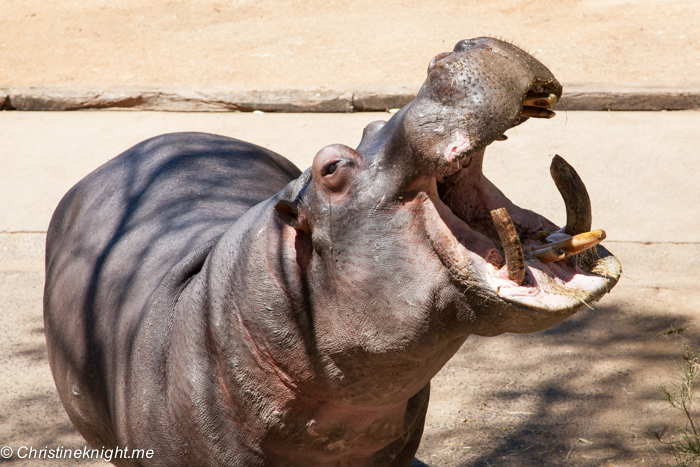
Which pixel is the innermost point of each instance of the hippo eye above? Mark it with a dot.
(336, 173)
(329, 168)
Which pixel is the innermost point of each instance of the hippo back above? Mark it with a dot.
(117, 234)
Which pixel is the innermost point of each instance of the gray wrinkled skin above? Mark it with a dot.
(206, 300)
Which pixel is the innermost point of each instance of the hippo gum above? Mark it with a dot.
(208, 301)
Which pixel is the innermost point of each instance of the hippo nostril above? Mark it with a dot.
(434, 61)
(477, 43)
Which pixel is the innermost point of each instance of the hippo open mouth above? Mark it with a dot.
(517, 255)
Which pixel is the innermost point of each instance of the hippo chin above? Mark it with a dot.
(206, 300)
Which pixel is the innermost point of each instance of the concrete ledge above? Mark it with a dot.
(380, 98)
(629, 97)
(48, 98)
(3, 100)
(322, 99)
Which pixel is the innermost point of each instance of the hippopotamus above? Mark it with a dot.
(208, 301)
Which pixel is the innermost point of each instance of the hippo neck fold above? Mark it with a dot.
(304, 325)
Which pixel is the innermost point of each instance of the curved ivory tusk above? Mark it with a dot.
(537, 112)
(515, 260)
(572, 189)
(568, 247)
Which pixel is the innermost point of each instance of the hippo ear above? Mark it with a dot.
(290, 214)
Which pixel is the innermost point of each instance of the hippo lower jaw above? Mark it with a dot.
(560, 288)
(468, 242)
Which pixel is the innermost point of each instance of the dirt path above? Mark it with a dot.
(583, 393)
(319, 42)
(511, 400)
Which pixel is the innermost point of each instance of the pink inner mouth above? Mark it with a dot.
(466, 239)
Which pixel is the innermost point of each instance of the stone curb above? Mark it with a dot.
(361, 99)
(629, 97)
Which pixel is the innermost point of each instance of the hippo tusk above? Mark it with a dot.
(572, 189)
(545, 100)
(567, 247)
(582, 241)
(515, 260)
(536, 112)
(549, 254)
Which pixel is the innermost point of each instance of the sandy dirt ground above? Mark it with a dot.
(283, 43)
(582, 393)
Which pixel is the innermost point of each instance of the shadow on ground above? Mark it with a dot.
(31, 413)
(584, 392)
(581, 393)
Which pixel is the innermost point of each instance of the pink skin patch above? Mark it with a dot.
(458, 146)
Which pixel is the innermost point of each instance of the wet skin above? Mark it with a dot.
(206, 300)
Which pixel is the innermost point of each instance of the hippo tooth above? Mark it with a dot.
(567, 247)
(515, 260)
(540, 100)
(549, 254)
(537, 112)
(575, 195)
(582, 241)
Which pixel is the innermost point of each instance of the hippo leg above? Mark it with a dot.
(412, 440)
(406, 457)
